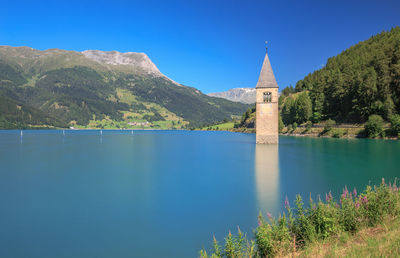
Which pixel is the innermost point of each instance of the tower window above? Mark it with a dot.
(267, 96)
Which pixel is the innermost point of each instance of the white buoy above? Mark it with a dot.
(21, 133)
(132, 132)
(101, 132)
(63, 132)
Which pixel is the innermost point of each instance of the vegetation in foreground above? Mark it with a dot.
(323, 227)
(380, 241)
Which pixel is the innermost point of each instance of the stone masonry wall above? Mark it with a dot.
(267, 117)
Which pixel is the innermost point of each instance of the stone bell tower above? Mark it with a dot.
(267, 105)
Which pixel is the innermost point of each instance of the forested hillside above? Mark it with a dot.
(66, 88)
(359, 82)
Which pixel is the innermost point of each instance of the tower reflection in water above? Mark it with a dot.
(267, 178)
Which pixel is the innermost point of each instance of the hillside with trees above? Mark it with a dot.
(362, 81)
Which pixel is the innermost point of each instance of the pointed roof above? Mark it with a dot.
(267, 78)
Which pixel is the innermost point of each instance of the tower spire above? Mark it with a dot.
(267, 78)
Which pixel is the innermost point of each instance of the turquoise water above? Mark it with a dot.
(162, 193)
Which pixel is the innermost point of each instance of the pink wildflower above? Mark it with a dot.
(364, 199)
(260, 223)
(287, 206)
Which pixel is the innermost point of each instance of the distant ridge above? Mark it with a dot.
(243, 95)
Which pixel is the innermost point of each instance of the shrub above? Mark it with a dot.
(303, 108)
(303, 228)
(329, 124)
(308, 125)
(281, 124)
(273, 237)
(294, 126)
(337, 133)
(374, 126)
(395, 124)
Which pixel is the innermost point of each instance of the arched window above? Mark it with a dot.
(267, 96)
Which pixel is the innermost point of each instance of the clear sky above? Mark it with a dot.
(211, 45)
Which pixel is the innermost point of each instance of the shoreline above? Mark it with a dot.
(316, 133)
(233, 130)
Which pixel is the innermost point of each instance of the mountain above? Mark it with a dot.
(243, 95)
(361, 81)
(98, 89)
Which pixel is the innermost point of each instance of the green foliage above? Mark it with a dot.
(235, 246)
(281, 125)
(155, 117)
(303, 108)
(301, 226)
(374, 126)
(287, 91)
(308, 126)
(297, 110)
(337, 133)
(248, 118)
(10, 75)
(395, 124)
(294, 126)
(15, 115)
(329, 124)
(289, 111)
(272, 237)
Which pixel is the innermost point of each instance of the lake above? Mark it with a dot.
(163, 193)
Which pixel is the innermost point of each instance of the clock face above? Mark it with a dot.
(266, 109)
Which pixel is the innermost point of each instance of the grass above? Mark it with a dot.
(379, 241)
(223, 127)
(319, 131)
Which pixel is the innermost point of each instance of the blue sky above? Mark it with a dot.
(211, 45)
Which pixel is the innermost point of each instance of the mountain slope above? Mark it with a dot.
(97, 88)
(244, 95)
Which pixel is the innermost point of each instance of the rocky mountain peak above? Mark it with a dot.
(244, 95)
(138, 61)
